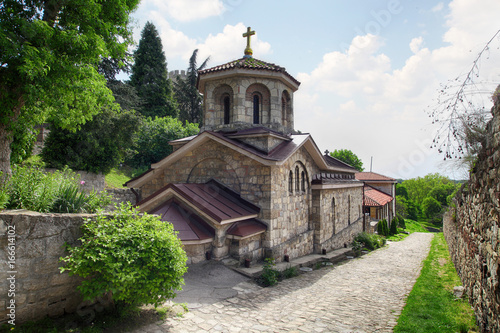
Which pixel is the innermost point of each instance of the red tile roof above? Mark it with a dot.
(375, 198)
(248, 63)
(372, 176)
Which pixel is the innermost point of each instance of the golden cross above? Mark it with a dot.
(248, 50)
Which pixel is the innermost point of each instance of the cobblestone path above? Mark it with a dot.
(366, 294)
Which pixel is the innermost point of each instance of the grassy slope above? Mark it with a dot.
(431, 306)
(116, 179)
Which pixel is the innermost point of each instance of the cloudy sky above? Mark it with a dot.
(369, 70)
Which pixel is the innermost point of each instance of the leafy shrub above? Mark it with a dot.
(290, 272)
(401, 222)
(98, 146)
(269, 276)
(134, 256)
(431, 207)
(153, 137)
(366, 241)
(59, 192)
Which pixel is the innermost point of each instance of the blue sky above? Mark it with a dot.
(369, 69)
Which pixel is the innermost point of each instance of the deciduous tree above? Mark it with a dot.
(347, 156)
(48, 62)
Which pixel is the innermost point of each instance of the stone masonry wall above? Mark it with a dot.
(31, 286)
(472, 231)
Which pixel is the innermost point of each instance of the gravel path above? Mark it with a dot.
(366, 294)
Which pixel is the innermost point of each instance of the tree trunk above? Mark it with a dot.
(5, 141)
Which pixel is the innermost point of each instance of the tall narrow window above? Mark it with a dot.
(290, 182)
(256, 109)
(303, 181)
(349, 209)
(227, 104)
(333, 215)
(297, 179)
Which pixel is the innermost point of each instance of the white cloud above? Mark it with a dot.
(415, 44)
(437, 8)
(182, 10)
(367, 106)
(230, 44)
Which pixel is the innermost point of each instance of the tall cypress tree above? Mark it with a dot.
(150, 76)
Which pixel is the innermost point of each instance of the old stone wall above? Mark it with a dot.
(31, 285)
(123, 195)
(472, 231)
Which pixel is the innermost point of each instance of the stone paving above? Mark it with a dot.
(365, 294)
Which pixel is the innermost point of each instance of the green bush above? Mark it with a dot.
(290, 272)
(58, 192)
(431, 207)
(134, 256)
(153, 137)
(383, 228)
(366, 241)
(394, 226)
(269, 276)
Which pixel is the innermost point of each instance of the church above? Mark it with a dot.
(250, 186)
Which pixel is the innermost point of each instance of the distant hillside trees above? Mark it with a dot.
(150, 76)
(426, 196)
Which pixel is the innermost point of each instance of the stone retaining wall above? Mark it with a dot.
(31, 286)
(472, 231)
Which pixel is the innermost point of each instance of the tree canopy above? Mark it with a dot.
(347, 156)
(98, 146)
(188, 97)
(48, 63)
(150, 76)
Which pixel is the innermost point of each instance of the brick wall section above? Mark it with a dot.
(472, 232)
(41, 290)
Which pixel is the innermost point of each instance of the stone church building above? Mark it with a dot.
(250, 186)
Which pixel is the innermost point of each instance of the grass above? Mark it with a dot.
(431, 305)
(116, 178)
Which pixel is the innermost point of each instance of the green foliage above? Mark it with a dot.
(187, 95)
(150, 76)
(401, 191)
(431, 207)
(59, 192)
(153, 137)
(290, 272)
(116, 178)
(431, 306)
(134, 256)
(394, 226)
(49, 58)
(347, 156)
(270, 275)
(383, 228)
(367, 242)
(98, 146)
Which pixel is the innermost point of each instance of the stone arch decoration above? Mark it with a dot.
(286, 110)
(301, 177)
(224, 103)
(215, 168)
(264, 99)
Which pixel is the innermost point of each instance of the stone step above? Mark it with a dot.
(306, 261)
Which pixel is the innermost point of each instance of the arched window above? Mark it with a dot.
(297, 179)
(256, 109)
(227, 107)
(303, 181)
(290, 182)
